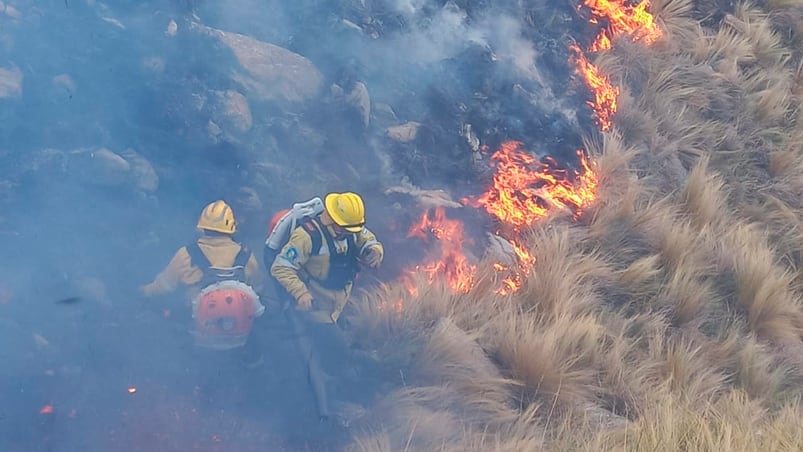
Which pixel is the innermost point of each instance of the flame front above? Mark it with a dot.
(605, 93)
(633, 21)
(447, 258)
(525, 190)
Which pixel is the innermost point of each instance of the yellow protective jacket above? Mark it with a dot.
(301, 271)
(221, 252)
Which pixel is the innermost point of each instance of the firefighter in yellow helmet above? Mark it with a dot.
(217, 225)
(216, 265)
(317, 267)
(323, 256)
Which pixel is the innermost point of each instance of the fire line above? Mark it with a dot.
(525, 190)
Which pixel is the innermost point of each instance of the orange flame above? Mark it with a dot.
(524, 189)
(605, 93)
(512, 282)
(634, 21)
(448, 259)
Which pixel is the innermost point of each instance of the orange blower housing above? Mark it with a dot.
(224, 313)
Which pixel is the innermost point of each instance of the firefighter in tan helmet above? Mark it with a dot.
(222, 278)
(316, 267)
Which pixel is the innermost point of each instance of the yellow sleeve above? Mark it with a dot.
(179, 270)
(366, 239)
(289, 261)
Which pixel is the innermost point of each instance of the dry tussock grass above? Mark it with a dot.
(670, 315)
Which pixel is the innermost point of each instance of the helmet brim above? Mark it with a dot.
(231, 231)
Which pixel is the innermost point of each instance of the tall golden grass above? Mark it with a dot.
(670, 316)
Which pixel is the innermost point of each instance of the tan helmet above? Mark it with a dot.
(218, 217)
(347, 210)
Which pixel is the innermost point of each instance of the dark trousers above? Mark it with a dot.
(323, 350)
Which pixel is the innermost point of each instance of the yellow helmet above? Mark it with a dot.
(347, 210)
(218, 217)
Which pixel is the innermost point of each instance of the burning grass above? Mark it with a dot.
(668, 313)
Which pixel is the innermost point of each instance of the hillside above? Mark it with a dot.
(591, 213)
(668, 315)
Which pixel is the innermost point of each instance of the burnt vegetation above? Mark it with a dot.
(670, 315)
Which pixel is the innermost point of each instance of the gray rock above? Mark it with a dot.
(383, 114)
(231, 112)
(404, 133)
(111, 169)
(500, 250)
(142, 172)
(361, 101)
(214, 132)
(272, 73)
(107, 168)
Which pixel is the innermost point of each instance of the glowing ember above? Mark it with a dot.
(47, 409)
(447, 258)
(132, 390)
(525, 189)
(633, 21)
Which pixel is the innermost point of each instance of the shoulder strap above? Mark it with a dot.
(241, 260)
(351, 248)
(314, 229)
(330, 243)
(197, 257)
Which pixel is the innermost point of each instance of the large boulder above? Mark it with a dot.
(271, 73)
(111, 169)
(142, 174)
(105, 167)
